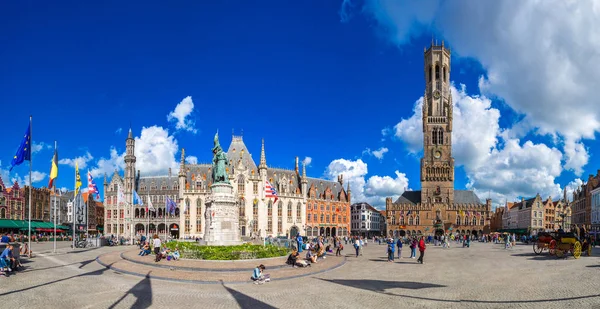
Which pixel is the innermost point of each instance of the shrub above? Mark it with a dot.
(192, 250)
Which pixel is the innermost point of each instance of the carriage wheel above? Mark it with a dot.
(552, 247)
(537, 249)
(576, 250)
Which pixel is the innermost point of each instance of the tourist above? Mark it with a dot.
(390, 245)
(299, 241)
(310, 256)
(340, 247)
(413, 248)
(6, 258)
(156, 244)
(357, 246)
(292, 258)
(176, 254)
(399, 245)
(5, 239)
(421, 249)
(257, 275)
(145, 249)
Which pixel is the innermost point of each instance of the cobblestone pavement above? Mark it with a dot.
(483, 276)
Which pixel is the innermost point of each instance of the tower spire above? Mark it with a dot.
(263, 158)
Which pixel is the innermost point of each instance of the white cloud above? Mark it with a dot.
(116, 161)
(307, 161)
(410, 130)
(181, 115)
(191, 160)
(39, 146)
(374, 190)
(119, 130)
(576, 156)
(155, 153)
(81, 161)
(376, 153)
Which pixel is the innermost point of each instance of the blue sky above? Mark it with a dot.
(335, 81)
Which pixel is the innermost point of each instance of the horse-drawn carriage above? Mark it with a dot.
(560, 243)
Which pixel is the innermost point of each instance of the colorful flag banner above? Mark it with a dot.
(53, 169)
(24, 150)
(271, 192)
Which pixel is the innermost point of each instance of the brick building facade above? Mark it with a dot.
(12, 202)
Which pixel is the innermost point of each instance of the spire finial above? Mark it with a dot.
(263, 158)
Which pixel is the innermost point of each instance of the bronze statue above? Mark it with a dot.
(219, 168)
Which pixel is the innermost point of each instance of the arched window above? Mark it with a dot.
(417, 220)
(437, 72)
(3, 213)
(401, 220)
(410, 220)
(241, 183)
(199, 207)
(430, 73)
(440, 140)
(270, 217)
(474, 220)
(299, 212)
(289, 213)
(445, 76)
(481, 221)
(280, 209)
(458, 220)
(187, 205)
(393, 220)
(434, 136)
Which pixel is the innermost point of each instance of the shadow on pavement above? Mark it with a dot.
(91, 273)
(142, 292)
(28, 269)
(381, 286)
(246, 301)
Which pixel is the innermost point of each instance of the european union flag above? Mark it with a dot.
(24, 151)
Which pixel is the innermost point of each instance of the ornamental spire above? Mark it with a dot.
(182, 163)
(263, 158)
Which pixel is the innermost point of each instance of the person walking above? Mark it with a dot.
(156, 244)
(413, 248)
(421, 250)
(399, 245)
(390, 245)
(357, 246)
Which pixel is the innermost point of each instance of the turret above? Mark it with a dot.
(304, 181)
(181, 174)
(262, 167)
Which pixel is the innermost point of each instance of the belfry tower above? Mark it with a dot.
(437, 164)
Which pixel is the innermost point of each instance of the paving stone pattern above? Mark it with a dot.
(483, 276)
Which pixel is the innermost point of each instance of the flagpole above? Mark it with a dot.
(30, 188)
(73, 208)
(165, 215)
(54, 194)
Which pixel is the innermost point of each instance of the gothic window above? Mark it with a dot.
(255, 187)
(198, 225)
(255, 209)
(187, 205)
(3, 213)
(410, 220)
(440, 140)
(241, 184)
(430, 73)
(474, 221)
(434, 136)
(198, 207)
(457, 220)
(445, 76)
(481, 221)
(417, 220)
(401, 220)
(280, 209)
(437, 72)
(270, 217)
(289, 213)
(393, 220)
(299, 212)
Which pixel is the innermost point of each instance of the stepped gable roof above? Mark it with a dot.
(321, 185)
(238, 151)
(409, 197)
(466, 197)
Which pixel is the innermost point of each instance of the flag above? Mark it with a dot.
(53, 169)
(120, 195)
(270, 191)
(408, 213)
(170, 206)
(136, 199)
(150, 207)
(77, 178)
(92, 188)
(24, 151)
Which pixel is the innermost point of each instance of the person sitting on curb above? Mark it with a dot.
(310, 256)
(145, 250)
(257, 275)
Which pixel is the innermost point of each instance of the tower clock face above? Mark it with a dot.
(436, 94)
(437, 154)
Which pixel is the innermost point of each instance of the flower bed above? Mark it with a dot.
(191, 250)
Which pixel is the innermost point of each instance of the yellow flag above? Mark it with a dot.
(77, 179)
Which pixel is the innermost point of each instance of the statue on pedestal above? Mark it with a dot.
(219, 168)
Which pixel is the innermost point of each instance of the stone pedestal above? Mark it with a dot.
(222, 217)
